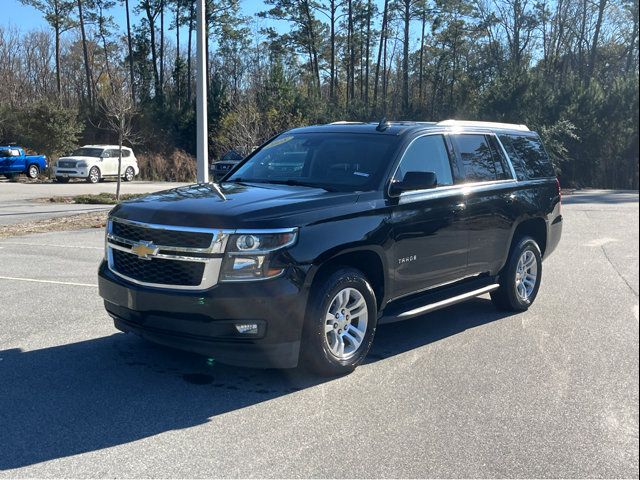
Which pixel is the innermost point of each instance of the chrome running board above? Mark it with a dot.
(430, 307)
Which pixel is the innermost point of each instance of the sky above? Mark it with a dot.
(28, 18)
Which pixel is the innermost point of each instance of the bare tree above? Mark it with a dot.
(118, 112)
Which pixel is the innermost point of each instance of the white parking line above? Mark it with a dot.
(49, 245)
(48, 281)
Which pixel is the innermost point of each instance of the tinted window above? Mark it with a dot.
(427, 154)
(342, 161)
(88, 152)
(478, 160)
(528, 156)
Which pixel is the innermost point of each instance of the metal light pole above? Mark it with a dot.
(202, 139)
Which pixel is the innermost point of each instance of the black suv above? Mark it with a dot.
(325, 232)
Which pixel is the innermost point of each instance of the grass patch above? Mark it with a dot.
(73, 222)
(96, 199)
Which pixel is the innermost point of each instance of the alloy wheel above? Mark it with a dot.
(526, 275)
(346, 323)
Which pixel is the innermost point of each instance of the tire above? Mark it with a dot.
(129, 173)
(514, 294)
(94, 175)
(62, 179)
(317, 355)
(33, 171)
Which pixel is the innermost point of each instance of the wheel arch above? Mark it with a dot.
(536, 228)
(369, 260)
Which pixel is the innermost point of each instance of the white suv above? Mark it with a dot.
(95, 162)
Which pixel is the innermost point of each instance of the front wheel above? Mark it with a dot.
(340, 325)
(520, 279)
(129, 174)
(94, 175)
(33, 172)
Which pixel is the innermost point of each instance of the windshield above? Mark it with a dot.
(337, 161)
(88, 152)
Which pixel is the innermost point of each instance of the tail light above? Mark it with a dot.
(559, 190)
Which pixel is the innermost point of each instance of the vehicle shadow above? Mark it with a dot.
(80, 397)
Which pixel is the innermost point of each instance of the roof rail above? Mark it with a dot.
(345, 122)
(466, 123)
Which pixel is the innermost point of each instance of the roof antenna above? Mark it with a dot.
(383, 125)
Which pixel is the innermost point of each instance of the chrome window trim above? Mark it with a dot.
(426, 134)
(449, 191)
(506, 155)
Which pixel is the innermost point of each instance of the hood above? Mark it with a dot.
(246, 206)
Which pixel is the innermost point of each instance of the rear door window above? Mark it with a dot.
(480, 161)
(427, 154)
(528, 156)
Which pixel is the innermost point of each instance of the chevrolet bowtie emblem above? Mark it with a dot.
(144, 250)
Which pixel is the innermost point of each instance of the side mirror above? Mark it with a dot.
(414, 181)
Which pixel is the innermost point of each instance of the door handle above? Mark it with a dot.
(460, 207)
(511, 197)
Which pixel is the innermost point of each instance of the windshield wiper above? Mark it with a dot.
(291, 182)
(298, 183)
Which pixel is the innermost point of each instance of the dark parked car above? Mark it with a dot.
(326, 232)
(223, 166)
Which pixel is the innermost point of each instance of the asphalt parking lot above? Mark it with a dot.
(462, 392)
(19, 201)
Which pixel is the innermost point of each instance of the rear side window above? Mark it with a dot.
(427, 154)
(481, 161)
(528, 156)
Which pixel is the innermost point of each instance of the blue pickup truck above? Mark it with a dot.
(13, 162)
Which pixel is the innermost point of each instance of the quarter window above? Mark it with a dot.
(427, 154)
(480, 161)
(528, 156)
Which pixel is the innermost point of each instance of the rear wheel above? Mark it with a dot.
(33, 172)
(340, 324)
(129, 174)
(94, 175)
(520, 279)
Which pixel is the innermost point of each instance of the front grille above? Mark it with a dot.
(158, 270)
(66, 164)
(165, 238)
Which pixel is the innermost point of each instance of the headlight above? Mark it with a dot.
(248, 255)
(81, 164)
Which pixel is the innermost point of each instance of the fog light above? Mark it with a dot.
(247, 328)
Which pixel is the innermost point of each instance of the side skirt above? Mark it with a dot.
(440, 298)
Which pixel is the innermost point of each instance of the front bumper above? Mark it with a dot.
(71, 172)
(204, 321)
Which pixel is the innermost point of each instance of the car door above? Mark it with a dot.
(489, 193)
(110, 162)
(430, 247)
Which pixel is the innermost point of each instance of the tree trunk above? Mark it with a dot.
(596, 37)
(57, 47)
(405, 58)
(189, 35)
(177, 69)
(421, 68)
(130, 49)
(162, 50)
(383, 33)
(85, 54)
(119, 166)
(332, 61)
(152, 37)
(367, 55)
